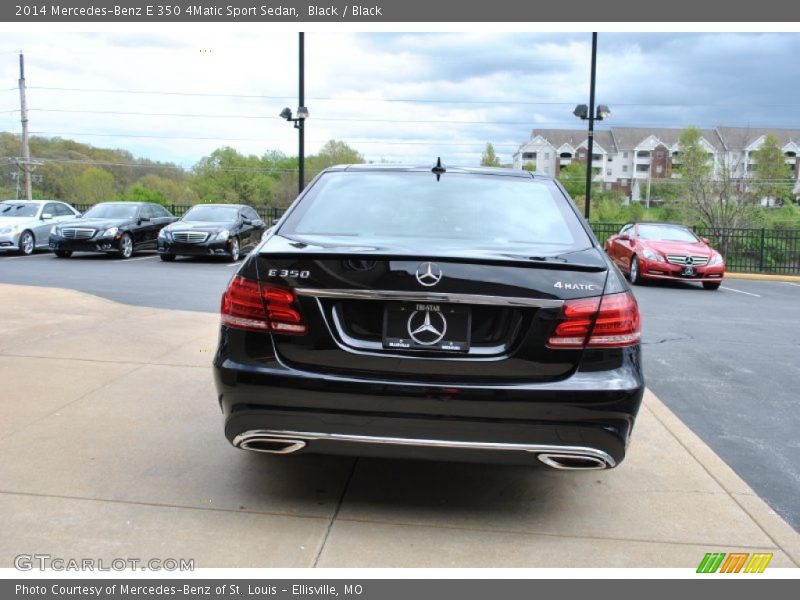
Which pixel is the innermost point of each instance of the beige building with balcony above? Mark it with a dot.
(629, 159)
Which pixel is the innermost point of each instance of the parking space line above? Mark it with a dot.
(29, 256)
(740, 292)
(790, 283)
(135, 259)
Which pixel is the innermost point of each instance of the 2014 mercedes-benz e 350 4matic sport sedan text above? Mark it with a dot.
(455, 314)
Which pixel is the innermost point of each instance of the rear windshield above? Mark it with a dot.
(473, 208)
(666, 233)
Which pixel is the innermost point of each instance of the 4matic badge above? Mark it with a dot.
(560, 285)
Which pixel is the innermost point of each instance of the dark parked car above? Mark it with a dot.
(115, 227)
(212, 230)
(462, 314)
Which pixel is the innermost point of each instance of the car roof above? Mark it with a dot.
(30, 201)
(219, 204)
(501, 171)
(670, 223)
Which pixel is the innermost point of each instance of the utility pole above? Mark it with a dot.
(26, 152)
(590, 157)
(301, 123)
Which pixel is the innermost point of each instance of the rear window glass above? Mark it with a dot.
(466, 207)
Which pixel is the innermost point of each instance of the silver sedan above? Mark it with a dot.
(25, 225)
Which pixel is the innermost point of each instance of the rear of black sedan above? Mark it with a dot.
(464, 314)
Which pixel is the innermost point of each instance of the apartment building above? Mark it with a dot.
(629, 159)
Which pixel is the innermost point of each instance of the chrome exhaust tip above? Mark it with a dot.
(573, 462)
(269, 445)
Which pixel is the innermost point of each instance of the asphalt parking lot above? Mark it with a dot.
(721, 361)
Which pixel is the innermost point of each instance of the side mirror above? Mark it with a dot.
(144, 220)
(624, 236)
(259, 223)
(247, 221)
(46, 216)
(705, 241)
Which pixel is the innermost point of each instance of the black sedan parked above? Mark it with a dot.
(212, 230)
(121, 228)
(465, 314)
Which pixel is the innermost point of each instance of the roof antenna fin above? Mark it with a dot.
(438, 169)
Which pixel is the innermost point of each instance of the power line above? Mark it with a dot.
(227, 139)
(534, 125)
(417, 100)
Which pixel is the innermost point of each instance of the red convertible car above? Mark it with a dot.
(665, 251)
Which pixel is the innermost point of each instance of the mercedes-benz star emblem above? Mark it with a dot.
(689, 260)
(429, 274)
(427, 327)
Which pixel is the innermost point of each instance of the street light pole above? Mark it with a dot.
(589, 158)
(301, 123)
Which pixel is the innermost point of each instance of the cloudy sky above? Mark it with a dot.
(395, 97)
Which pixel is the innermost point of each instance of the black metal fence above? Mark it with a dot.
(754, 250)
(747, 250)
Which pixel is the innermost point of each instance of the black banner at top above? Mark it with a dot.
(461, 11)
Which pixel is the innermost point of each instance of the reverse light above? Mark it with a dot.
(247, 304)
(608, 322)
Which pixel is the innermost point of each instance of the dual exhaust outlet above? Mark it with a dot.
(557, 457)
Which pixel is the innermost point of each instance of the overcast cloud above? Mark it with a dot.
(395, 97)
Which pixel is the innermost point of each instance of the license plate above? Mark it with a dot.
(423, 326)
(688, 272)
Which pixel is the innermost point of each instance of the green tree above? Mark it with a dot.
(333, 153)
(489, 157)
(225, 175)
(139, 193)
(92, 185)
(715, 199)
(772, 174)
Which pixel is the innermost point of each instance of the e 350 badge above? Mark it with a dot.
(288, 273)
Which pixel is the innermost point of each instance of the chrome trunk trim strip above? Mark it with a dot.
(439, 297)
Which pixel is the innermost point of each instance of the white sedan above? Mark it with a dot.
(25, 225)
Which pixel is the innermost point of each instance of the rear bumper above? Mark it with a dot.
(590, 413)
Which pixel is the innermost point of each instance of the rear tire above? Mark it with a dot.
(126, 246)
(63, 253)
(711, 285)
(635, 278)
(167, 257)
(27, 243)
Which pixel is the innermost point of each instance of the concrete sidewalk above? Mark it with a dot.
(112, 447)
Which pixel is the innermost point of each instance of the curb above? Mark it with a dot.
(784, 536)
(763, 277)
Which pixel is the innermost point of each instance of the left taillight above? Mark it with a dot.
(610, 321)
(248, 304)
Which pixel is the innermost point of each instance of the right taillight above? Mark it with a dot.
(608, 322)
(248, 304)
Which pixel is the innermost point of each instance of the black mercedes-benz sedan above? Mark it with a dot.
(464, 314)
(120, 228)
(212, 230)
